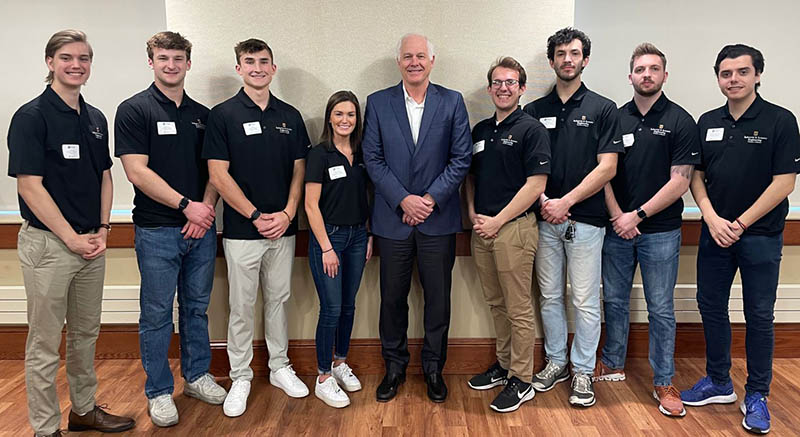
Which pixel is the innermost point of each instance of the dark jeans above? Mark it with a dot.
(657, 256)
(758, 259)
(337, 296)
(168, 263)
(435, 256)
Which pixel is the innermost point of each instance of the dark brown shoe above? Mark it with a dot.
(99, 420)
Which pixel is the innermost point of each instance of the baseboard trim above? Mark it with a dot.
(465, 355)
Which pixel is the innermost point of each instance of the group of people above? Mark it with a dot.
(585, 188)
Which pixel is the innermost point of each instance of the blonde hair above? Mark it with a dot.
(60, 39)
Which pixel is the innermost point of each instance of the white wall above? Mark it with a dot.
(117, 31)
(691, 33)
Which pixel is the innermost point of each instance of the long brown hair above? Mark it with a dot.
(327, 131)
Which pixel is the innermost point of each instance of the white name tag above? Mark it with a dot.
(478, 147)
(715, 134)
(548, 122)
(337, 172)
(166, 128)
(627, 140)
(71, 151)
(252, 128)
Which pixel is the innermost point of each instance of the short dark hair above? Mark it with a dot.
(732, 51)
(511, 64)
(327, 131)
(251, 45)
(60, 39)
(169, 41)
(565, 36)
(646, 48)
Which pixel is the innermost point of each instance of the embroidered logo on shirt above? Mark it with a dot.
(583, 122)
(283, 129)
(755, 138)
(508, 141)
(199, 124)
(660, 131)
(97, 133)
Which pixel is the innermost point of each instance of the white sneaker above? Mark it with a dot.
(206, 389)
(162, 410)
(345, 377)
(236, 401)
(330, 393)
(285, 379)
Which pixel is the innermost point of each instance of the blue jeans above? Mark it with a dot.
(581, 258)
(758, 259)
(168, 263)
(337, 296)
(657, 255)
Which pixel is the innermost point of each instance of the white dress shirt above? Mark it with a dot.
(414, 111)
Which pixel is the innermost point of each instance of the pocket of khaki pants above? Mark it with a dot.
(31, 247)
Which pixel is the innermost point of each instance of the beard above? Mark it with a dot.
(566, 77)
(647, 93)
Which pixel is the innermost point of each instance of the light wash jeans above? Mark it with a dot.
(581, 258)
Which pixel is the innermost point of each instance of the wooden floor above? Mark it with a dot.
(622, 409)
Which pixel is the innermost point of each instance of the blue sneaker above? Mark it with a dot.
(756, 414)
(706, 392)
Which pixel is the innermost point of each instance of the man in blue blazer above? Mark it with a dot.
(417, 151)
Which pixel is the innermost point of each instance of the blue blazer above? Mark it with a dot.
(436, 165)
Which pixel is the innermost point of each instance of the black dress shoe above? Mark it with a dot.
(437, 390)
(387, 390)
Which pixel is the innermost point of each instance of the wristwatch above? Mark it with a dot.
(641, 213)
(256, 214)
(183, 204)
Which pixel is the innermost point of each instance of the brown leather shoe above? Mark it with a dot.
(99, 420)
(669, 400)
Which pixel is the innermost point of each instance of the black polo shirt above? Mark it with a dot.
(740, 157)
(580, 129)
(343, 201)
(503, 156)
(69, 150)
(149, 123)
(666, 136)
(261, 147)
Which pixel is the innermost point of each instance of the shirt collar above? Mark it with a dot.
(752, 111)
(161, 97)
(410, 100)
(248, 102)
(657, 107)
(510, 119)
(54, 99)
(577, 95)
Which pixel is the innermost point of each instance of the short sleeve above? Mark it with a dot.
(536, 150)
(108, 162)
(315, 165)
(609, 131)
(215, 143)
(786, 147)
(686, 147)
(26, 144)
(130, 131)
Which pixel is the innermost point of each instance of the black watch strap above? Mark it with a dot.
(256, 214)
(183, 204)
(641, 213)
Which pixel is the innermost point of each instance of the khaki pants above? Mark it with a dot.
(248, 261)
(505, 268)
(59, 285)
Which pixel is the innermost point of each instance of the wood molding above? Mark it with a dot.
(466, 356)
(122, 236)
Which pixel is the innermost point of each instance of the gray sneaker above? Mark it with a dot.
(206, 389)
(551, 375)
(582, 391)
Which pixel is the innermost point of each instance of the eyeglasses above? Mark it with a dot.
(570, 234)
(497, 83)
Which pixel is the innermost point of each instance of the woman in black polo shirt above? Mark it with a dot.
(339, 245)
